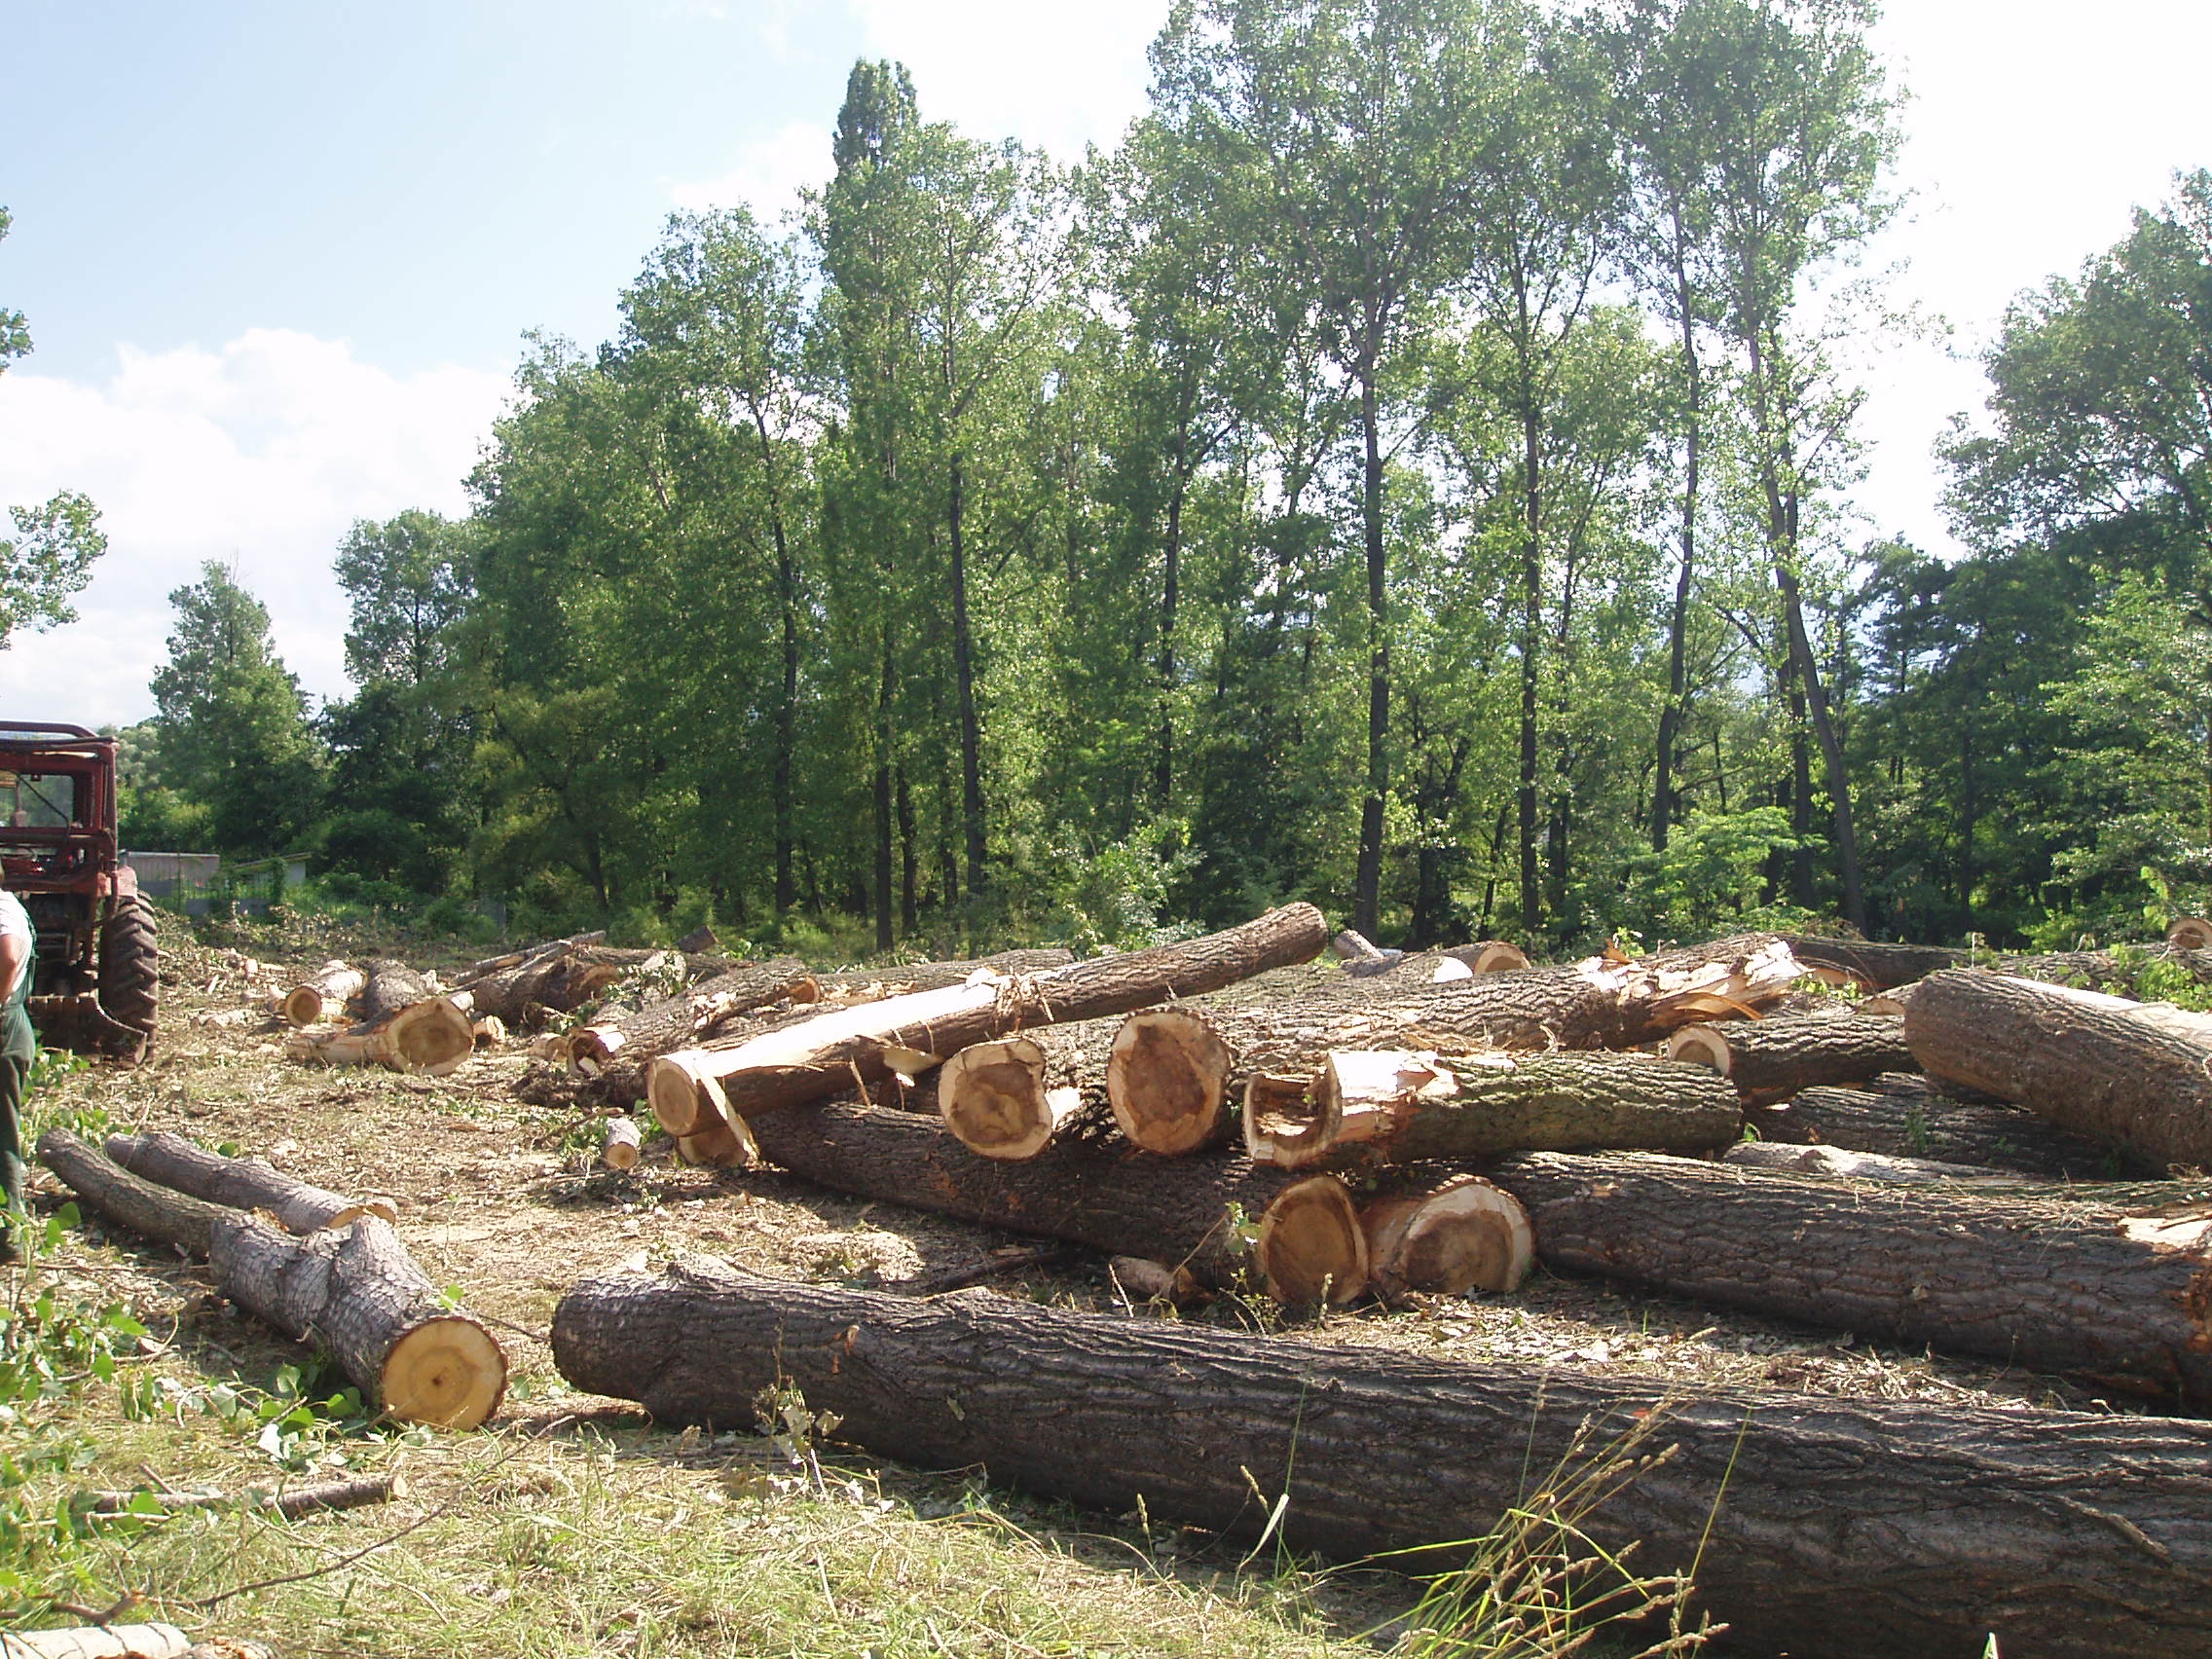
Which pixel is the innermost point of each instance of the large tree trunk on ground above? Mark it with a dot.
(824, 1055)
(1771, 1059)
(1180, 1211)
(130, 1202)
(1874, 967)
(1918, 1125)
(321, 997)
(1396, 1107)
(239, 1183)
(1834, 1161)
(1009, 1098)
(2076, 1287)
(1835, 1530)
(681, 1020)
(355, 1290)
(2115, 1071)
(873, 984)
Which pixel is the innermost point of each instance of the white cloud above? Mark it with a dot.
(259, 454)
(768, 176)
(1055, 76)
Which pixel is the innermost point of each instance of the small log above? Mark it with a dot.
(2133, 1075)
(1828, 1529)
(97, 1642)
(1492, 957)
(2117, 1295)
(490, 1032)
(155, 1213)
(820, 1056)
(1833, 1161)
(1141, 1280)
(288, 1503)
(855, 985)
(1361, 957)
(432, 1036)
(557, 981)
(623, 1145)
(321, 997)
(1397, 1107)
(516, 958)
(1167, 1082)
(1771, 1059)
(1191, 1212)
(1923, 1125)
(680, 1022)
(1447, 1236)
(240, 1182)
(388, 987)
(355, 1290)
(2190, 933)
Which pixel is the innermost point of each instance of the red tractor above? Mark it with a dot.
(97, 976)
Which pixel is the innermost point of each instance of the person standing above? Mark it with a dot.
(19, 1050)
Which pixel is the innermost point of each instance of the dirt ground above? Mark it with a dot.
(503, 1199)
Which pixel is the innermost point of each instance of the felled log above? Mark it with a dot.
(432, 1036)
(516, 958)
(1373, 1107)
(622, 1145)
(1189, 1212)
(1168, 1081)
(2081, 1288)
(97, 1642)
(154, 1212)
(288, 1503)
(1922, 1125)
(357, 1291)
(1771, 1059)
(1141, 1280)
(678, 1021)
(902, 979)
(490, 1032)
(240, 1182)
(1833, 1161)
(1361, 955)
(2118, 973)
(999, 1100)
(1872, 966)
(1447, 1234)
(554, 981)
(321, 997)
(821, 1056)
(2190, 933)
(1828, 1529)
(2133, 1075)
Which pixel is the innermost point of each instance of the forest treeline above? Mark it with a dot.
(1408, 473)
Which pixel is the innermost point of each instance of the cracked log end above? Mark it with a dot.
(432, 1036)
(1462, 1235)
(1168, 1081)
(1701, 1046)
(448, 1373)
(992, 1096)
(1311, 1247)
(2190, 933)
(1286, 1121)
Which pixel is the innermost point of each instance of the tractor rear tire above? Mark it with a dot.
(130, 966)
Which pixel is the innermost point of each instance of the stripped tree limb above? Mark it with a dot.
(240, 1182)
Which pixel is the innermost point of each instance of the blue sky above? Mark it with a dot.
(277, 258)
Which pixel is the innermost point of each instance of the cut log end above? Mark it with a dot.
(1701, 1046)
(992, 1096)
(1286, 1122)
(448, 1373)
(1312, 1248)
(623, 1145)
(432, 1036)
(1464, 1235)
(721, 1143)
(1494, 956)
(2190, 933)
(671, 1090)
(304, 1005)
(1167, 1081)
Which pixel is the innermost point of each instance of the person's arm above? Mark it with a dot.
(15, 961)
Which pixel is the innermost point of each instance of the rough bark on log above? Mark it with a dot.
(1924, 1124)
(321, 997)
(357, 1291)
(388, 987)
(290, 1503)
(1874, 965)
(1833, 1161)
(2114, 1071)
(1187, 1212)
(1771, 1059)
(1374, 1107)
(240, 1182)
(1830, 1529)
(1446, 1236)
(819, 1057)
(130, 1202)
(2117, 1295)
(875, 984)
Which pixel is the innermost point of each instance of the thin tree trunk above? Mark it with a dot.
(964, 670)
(1163, 772)
(886, 689)
(1673, 712)
(1367, 894)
